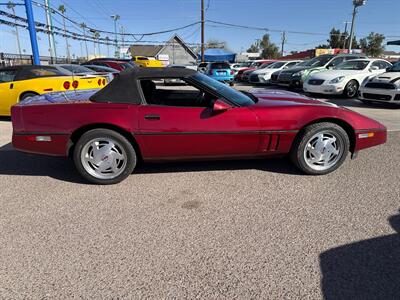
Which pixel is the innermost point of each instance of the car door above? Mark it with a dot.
(8, 92)
(193, 132)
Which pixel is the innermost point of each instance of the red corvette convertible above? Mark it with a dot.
(135, 118)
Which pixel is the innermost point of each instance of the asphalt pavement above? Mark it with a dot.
(210, 230)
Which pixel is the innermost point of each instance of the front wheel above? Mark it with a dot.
(320, 148)
(103, 156)
(351, 89)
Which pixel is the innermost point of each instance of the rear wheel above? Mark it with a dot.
(320, 149)
(103, 156)
(27, 95)
(351, 89)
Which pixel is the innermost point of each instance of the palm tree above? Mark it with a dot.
(83, 26)
(11, 5)
(62, 9)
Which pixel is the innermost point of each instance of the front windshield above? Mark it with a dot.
(276, 65)
(319, 61)
(395, 67)
(227, 92)
(352, 65)
(303, 63)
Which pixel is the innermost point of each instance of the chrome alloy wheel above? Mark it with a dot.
(323, 150)
(351, 89)
(103, 158)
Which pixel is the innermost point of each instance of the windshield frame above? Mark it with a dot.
(223, 91)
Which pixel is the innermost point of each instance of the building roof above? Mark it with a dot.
(154, 50)
(145, 50)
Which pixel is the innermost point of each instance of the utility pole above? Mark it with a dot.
(122, 29)
(116, 18)
(62, 9)
(83, 26)
(11, 5)
(52, 44)
(356, 3)
(32, 32)
(283, 42)
(345, 34)
(202, 30)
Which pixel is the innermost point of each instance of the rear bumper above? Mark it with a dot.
(41, 143)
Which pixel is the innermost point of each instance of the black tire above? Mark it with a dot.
(101, 133)
(297, 154)
(351, 89)
(27, 95)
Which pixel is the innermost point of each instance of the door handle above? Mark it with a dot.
(11, 86)
(152, 117)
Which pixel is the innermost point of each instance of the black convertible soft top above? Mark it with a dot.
(125, 87)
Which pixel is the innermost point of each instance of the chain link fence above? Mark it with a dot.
(10, 59)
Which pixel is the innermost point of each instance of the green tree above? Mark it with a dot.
(372, 45)
(269, 49)
(254, 48)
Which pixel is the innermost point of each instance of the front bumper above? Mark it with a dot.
(328, 89)
(379, 95)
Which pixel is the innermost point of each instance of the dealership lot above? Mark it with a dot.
(215, 230)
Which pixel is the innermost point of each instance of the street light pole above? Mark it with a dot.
(356, 3)
(32, 32)
(116, 18)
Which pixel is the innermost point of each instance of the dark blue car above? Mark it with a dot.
(220, 71)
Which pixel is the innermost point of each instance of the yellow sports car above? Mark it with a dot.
(20, 82)
(143, 61)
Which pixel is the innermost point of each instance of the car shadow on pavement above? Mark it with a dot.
(5, 119)
(13, 162)
(368, 269)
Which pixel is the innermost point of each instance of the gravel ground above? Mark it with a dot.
(211, 230)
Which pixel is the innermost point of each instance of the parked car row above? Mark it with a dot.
(349, 75)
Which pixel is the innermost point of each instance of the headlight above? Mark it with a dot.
(337, 79)
(298, 74)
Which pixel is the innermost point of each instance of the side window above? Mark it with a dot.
(291, 64)
(7, 75)
(380, 64)
(336, 61)
(156, 93)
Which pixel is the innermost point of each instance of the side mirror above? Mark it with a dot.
(220, 106)
(388, 69)
(374, 68)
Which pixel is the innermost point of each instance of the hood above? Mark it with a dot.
(265, 71)
(59, 97)
(331, 74)
(388, 77)
(295, 70)
(268, 98)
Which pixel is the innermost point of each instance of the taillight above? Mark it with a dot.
(99, 82)
(66, 85)
(232, 72)
(104, 82)
(75, 84)
(210, 72)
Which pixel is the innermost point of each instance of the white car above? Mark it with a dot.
(264, 75)
(382, 88)
(236, 67)
(346, 78)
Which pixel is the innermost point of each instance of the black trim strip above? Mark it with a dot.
(218, 132)
(41, 133)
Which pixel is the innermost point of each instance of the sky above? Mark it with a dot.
(314, 17)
